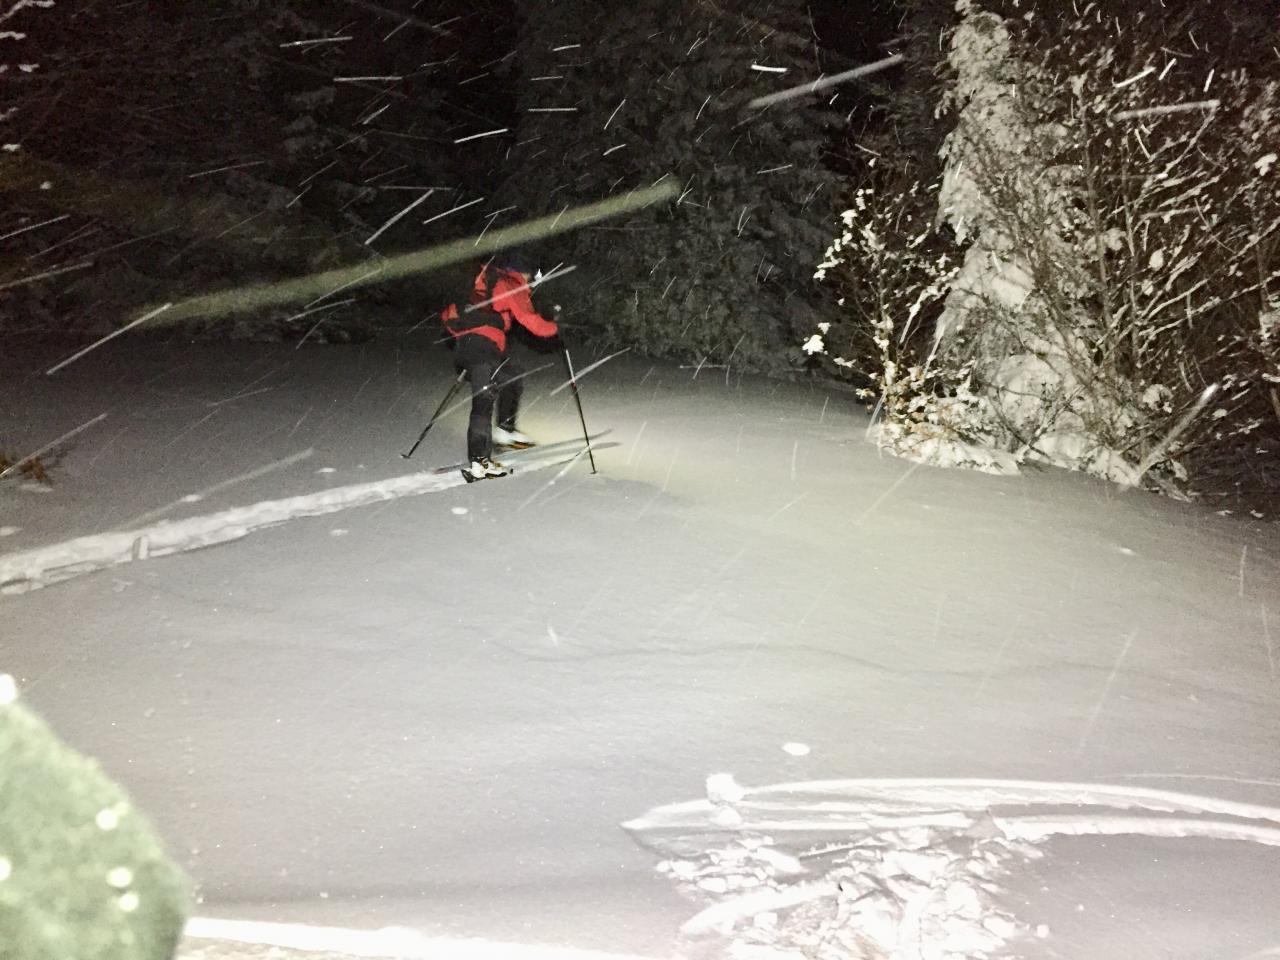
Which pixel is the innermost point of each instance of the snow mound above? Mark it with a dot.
(894, 869)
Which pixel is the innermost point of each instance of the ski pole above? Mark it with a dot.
(432, 422)
(573, 383)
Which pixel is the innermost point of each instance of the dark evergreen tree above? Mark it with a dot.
(611, 103)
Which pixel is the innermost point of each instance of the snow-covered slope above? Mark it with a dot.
(436, 711)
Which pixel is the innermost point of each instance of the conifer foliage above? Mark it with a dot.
(610, 103)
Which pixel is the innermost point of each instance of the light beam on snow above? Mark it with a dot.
(51, 445)
(115, 333)
(257, 297)
(808, 88)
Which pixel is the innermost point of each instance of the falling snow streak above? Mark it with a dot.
(377, 233)
(611, 116)
(884, 496)
(234, 166)
(822, 84)
(461, 206)
(129, 242)
(563, 470)
(487, 133)
(51, 445)
(354, 281)
(1106, 690)
(1170, 108)
(57, 271)
(555, 274)
(35, 226)
(327, 306)
(585, 370)
(1266, 633)
(115, 333)
(312, 43)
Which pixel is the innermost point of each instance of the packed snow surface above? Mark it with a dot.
(844, 705)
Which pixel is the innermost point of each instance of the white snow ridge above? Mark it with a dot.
(906, 869)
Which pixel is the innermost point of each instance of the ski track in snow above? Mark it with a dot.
(40, 567)
(241, 939)
(899, 869)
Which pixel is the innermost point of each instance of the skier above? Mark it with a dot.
(499, 296)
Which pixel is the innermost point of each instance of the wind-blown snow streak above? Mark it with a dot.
(898, 868)
(32, 569)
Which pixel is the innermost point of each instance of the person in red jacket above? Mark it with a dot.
(499, 297)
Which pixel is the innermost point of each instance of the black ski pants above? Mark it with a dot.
(494, 379)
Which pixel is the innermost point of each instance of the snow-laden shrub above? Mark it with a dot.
(891, 270)
(1119, 266)
(1175, 204)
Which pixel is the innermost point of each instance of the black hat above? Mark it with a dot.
(513, 259)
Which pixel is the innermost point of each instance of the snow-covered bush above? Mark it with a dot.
(891, 269)
(1174, 202)
(1119, 216)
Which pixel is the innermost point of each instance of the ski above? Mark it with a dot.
(513, 457)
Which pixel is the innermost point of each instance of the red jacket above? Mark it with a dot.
(491, 314)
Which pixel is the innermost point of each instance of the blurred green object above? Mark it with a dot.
(83, 876)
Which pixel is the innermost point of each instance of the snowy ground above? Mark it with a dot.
(437, 711)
